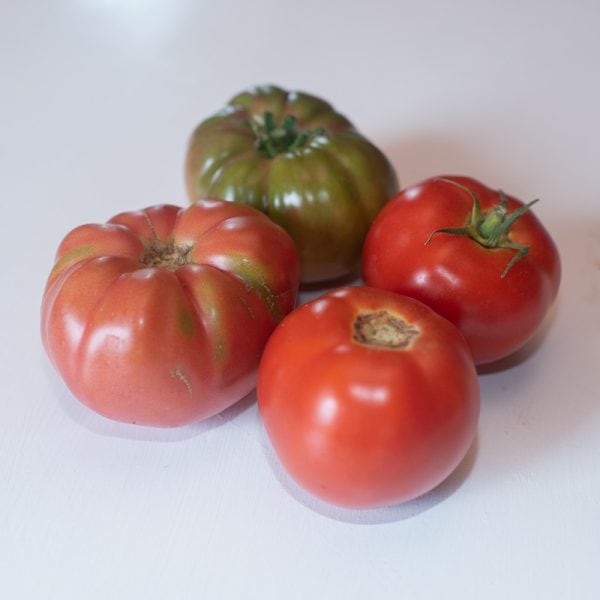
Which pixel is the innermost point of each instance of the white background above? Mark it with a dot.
(97, 100)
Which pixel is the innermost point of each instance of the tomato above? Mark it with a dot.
(478, 257)
(294, 157)
(159, 317)
(369, 398)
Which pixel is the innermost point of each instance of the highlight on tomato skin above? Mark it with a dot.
(159, 317)
(369, 398)
(476, 255)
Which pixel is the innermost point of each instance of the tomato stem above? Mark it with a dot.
(273, 139)
(489, 228)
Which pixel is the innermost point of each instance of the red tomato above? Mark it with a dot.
(369, 398)
(477, 257)
(159, 317)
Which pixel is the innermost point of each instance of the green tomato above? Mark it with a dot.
(294, 157)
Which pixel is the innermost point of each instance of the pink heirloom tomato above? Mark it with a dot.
(160, 316)
(368, 397)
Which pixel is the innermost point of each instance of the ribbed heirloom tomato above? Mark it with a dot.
(475, 255)
(159, 317)
(291, 155)
(369, 398)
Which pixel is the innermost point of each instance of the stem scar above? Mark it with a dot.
(382, 329)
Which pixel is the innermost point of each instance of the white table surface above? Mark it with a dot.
(97, 100)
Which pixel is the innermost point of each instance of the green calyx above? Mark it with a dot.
(273, 138)
(490, 228)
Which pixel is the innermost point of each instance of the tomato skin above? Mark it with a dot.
(360, 425)
(160, 343)
(325, 192)
(456, 276)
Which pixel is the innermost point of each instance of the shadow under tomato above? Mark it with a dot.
(324, 286)
(525, 352)
(375, 516)
(95, 423)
